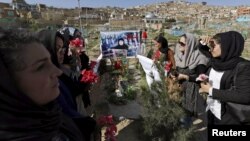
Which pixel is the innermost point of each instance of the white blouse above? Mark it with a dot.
(212, 104)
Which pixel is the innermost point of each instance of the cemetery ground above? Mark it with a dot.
(127, 116)
(127, 113)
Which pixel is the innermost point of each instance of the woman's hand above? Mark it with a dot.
(172, 76)
(204, 87)
(182, 77)
(205, 40)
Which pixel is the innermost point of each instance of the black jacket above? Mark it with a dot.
(240, 95)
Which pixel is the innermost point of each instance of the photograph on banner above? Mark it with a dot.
(113, 43)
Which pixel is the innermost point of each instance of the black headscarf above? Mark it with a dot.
(124, 46)
(68, 33)
(48, 38)
(23, 120)
(232, 45)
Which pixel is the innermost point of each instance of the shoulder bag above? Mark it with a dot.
(240, 111)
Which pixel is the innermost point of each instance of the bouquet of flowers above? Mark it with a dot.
(76, 42)
(118, 65)
(156, 55)
(92, 64)
(88, 76)
(111, 128)
(202, 78)
(75, 46)
(168, 66)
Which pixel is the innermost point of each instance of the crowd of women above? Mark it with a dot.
(219, 58)
(40, 83)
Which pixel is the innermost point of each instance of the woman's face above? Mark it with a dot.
(60, 50)
(156, 44)
(182, 43)
(215, 48)
(39, 79)
(121, 42)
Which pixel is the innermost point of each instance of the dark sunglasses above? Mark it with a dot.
(182, 44)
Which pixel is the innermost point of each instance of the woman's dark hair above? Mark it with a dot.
(11, 47)
(217, 38)
(164, 45)
(120, 39)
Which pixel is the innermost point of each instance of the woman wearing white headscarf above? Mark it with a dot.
(190, 63)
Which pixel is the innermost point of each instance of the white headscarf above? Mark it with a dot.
(192, 56)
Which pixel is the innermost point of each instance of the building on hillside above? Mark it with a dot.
(91, 16)
(8, 17)
(4, 5)
(41, 7)
(34, 15)
(53, 15)
(243, 11)
(152, 21)
(6, 11)
(33, 7)
(126, 20)
(20, 5)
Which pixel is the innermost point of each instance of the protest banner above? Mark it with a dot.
(120, 43)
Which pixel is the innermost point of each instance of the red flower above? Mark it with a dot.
(110, 133)
(109, 119)
(92, 64)
(88, 76)
(77, 42)
(157, 55)
(202, 77)
(118, 65)
(111, 127)
(105, 120)
(168, 66)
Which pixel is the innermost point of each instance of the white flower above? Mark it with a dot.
(202, 77)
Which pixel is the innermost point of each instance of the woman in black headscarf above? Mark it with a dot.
(225, 50)
(28, 89)
(74, 63)
(121, 45)
(69, 89)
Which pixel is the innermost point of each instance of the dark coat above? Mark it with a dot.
(240, 95)
(23, 120)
